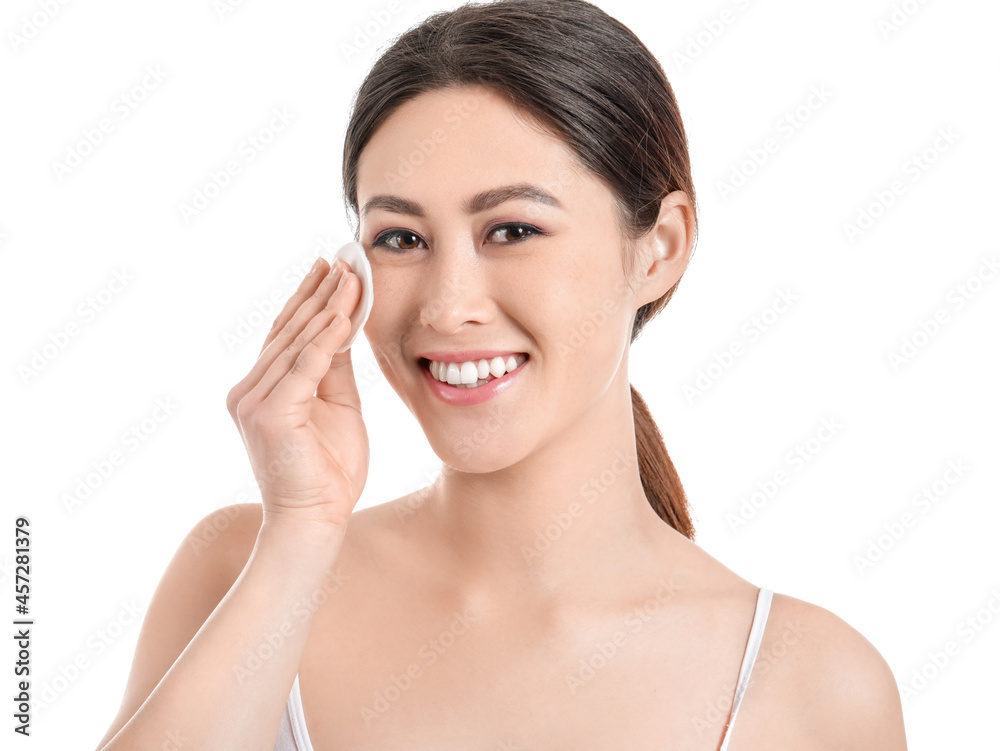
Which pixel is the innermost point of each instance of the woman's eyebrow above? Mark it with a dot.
(483, 201)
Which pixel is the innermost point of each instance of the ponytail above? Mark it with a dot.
(659, 478)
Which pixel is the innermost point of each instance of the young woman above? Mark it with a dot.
(521, 179)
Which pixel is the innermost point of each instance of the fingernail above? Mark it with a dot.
(343, 280)
(315, 267)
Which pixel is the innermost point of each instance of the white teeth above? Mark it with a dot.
(474, 373)
(469, 372)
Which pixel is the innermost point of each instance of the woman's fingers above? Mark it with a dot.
(308, 288)
(312, 296)
(297, 387)
(299, 374)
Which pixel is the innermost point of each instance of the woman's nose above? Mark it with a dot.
(456, 288)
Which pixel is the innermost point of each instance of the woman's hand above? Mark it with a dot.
(298, 409)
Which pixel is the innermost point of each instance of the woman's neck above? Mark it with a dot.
(567, 519)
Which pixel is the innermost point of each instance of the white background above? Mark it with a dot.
(826, 357)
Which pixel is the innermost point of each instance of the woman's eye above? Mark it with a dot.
(513, 232)
(405, 240)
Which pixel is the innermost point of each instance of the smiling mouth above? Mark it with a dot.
(473, 373)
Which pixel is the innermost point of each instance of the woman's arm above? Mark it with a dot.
(214, 663)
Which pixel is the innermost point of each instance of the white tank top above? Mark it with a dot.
(292, 734)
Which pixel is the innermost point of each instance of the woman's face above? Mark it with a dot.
(457, 267)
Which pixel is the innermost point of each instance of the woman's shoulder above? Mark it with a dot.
(243, 520)
(815, 676)
(826, 678)
(235, 528)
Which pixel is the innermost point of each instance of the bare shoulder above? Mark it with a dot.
(227, 534)
(376, 537)
(223, 542)
(371, 529)
(242, 521)
(827, 679)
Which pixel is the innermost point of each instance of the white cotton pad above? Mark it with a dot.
(354, 255)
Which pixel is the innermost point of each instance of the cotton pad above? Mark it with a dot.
(354, 255)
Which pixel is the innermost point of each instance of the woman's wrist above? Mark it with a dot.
(301, 534)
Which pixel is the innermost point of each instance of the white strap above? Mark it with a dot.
(298, 718)
(749, 657)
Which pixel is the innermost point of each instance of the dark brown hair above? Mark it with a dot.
(586, 77)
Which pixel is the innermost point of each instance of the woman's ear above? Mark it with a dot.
(662, 255)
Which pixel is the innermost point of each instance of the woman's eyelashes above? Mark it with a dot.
(520, 231)
(505, 234)
(411, 238)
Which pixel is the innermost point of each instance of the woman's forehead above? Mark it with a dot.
(404, 172)
(473, 128)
